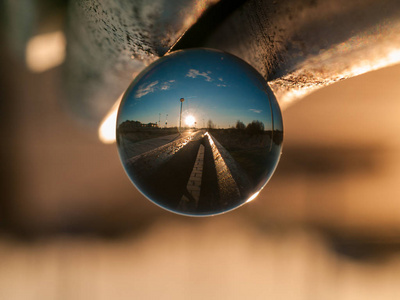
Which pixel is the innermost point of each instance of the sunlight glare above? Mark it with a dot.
(254, 196)
(108, 125)
(190, 121)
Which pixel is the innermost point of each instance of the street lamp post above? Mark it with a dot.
(180, 115)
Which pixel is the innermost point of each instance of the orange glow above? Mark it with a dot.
(374, 62)
(391, 58)
(254, 196)
(108, 125)
(45, 51)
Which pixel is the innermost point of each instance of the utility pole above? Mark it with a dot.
(180, 115)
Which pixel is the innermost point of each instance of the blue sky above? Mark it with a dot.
(215, 86)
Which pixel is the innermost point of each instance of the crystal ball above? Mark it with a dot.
(199, 132)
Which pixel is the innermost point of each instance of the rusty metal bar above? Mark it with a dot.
(300, 46)
(297, 45)
(111, 41)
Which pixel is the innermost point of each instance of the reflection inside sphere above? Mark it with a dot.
(199, 132)
(190, 120)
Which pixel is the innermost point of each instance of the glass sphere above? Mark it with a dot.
(199, 132)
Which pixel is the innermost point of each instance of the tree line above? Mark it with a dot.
(254, 126)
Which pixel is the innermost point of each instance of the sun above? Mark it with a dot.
(190, 121)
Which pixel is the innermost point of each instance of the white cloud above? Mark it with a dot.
(144, 89)
(222, 82)
(257, 111)
(193, 73)
(152, 87)
(167, 85)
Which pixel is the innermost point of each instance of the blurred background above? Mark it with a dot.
(327, 226)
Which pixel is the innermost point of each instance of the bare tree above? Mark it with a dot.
(210, 124)
(240, 125)
(255, 126)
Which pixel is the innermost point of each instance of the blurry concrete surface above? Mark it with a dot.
(221, 258)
